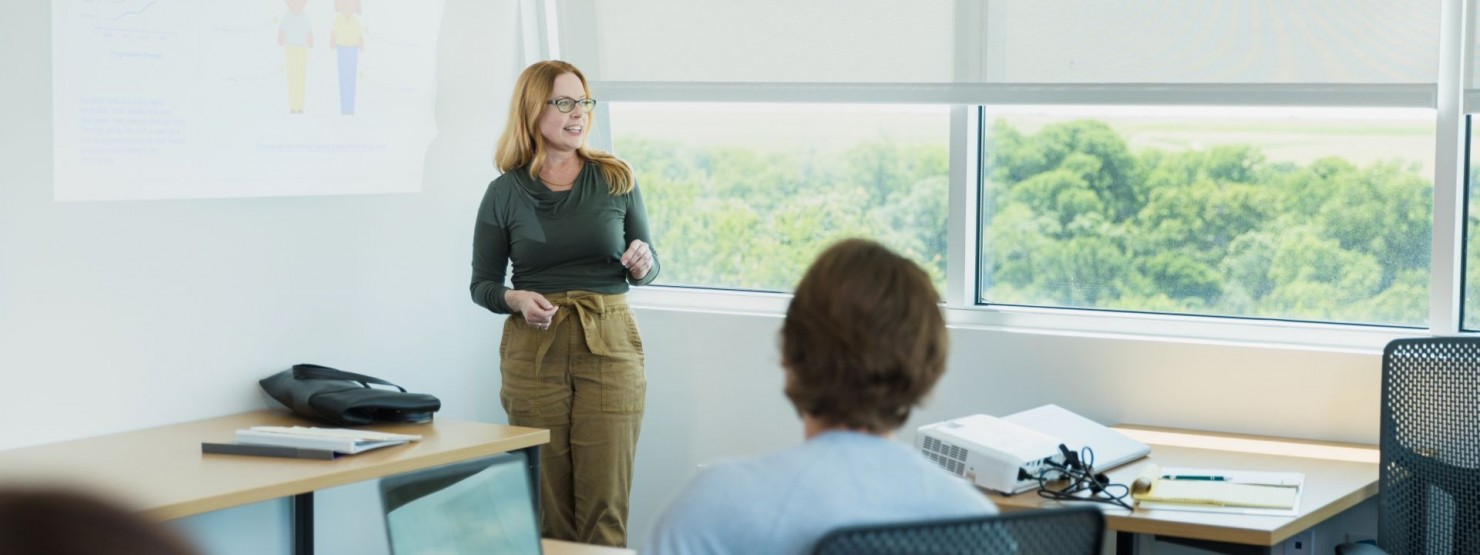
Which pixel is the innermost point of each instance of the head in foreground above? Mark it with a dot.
(64, 522)
(864, 339)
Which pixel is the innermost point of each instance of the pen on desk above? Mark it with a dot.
(1186, 477)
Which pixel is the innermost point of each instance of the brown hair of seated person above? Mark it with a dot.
(864, 339)
(65, 522)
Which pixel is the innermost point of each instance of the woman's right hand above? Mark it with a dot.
(537, 310)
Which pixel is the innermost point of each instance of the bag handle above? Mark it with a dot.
(315, 372)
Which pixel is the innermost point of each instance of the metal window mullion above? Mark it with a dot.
(965, 151)
(1445, 286)
(962, 208)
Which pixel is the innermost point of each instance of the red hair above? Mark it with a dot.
(522, 144)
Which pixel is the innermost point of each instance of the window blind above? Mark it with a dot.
(1195, 42)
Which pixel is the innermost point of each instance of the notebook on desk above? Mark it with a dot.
(1111, 448)
(484, 506)
(1218, 490)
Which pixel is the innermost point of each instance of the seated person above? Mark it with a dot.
(863, 342)
(65, 522)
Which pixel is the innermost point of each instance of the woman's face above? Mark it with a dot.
(565, 132)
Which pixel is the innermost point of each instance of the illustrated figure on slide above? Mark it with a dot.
(295, 35)
(347, 38)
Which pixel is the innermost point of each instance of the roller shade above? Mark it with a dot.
(1191, 42)
(760, 40)
(1225, 41)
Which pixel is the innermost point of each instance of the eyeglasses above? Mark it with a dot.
(565, 105)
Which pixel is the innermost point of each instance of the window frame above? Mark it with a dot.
(968, 102)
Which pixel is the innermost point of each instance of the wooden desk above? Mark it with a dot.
(162, 473)
(557, 547)
(1338, 476)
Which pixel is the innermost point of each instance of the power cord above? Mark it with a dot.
(1078, 476)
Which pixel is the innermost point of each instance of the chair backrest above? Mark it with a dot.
(1430, 444)
(1069, 531)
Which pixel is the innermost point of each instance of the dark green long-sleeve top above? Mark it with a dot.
(559, 241)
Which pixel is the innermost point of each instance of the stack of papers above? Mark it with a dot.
(1213, 490)
(306, 442)
(339, 440)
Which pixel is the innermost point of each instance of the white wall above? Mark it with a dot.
(123, 315)
(118, 316)
(149, 312)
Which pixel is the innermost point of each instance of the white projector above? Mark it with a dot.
(990, 452)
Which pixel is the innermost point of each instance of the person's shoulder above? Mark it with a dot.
(949, 491)
(910, 470)
(597, 173)
(701, 513)
(711, 494)
(502, 193)
(721, 509)
(511, 177)
(755, 477)
(508, 182)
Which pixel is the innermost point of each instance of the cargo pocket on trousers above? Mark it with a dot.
(523, 394)
(623, 380)
(525, 397)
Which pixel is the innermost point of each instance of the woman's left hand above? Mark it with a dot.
(638, 259)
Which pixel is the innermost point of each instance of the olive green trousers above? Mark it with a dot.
(583, 380)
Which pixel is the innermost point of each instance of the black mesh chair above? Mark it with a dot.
(1071, 531)
(1429, 489)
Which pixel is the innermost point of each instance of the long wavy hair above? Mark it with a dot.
(522, 144)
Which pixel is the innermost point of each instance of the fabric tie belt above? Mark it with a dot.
(587, 307)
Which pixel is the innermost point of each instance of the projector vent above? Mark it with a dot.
(948, 456)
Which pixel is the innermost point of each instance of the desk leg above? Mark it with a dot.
(303, 524)
(532, 454)
(1125, 543)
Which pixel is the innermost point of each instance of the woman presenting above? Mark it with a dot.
(571, 221)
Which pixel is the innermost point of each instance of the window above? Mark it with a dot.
(744, 196)
(1115, 175)
(1302, 214)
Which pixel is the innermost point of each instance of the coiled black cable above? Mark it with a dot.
(1080, 481)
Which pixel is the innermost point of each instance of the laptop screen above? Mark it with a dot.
(480, 506)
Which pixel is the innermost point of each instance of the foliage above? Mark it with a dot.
(747, 219)
(1072, 217)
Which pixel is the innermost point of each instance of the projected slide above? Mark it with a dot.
(236, 98)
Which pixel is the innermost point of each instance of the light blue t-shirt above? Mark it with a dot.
(782, 503)
(296, 29)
